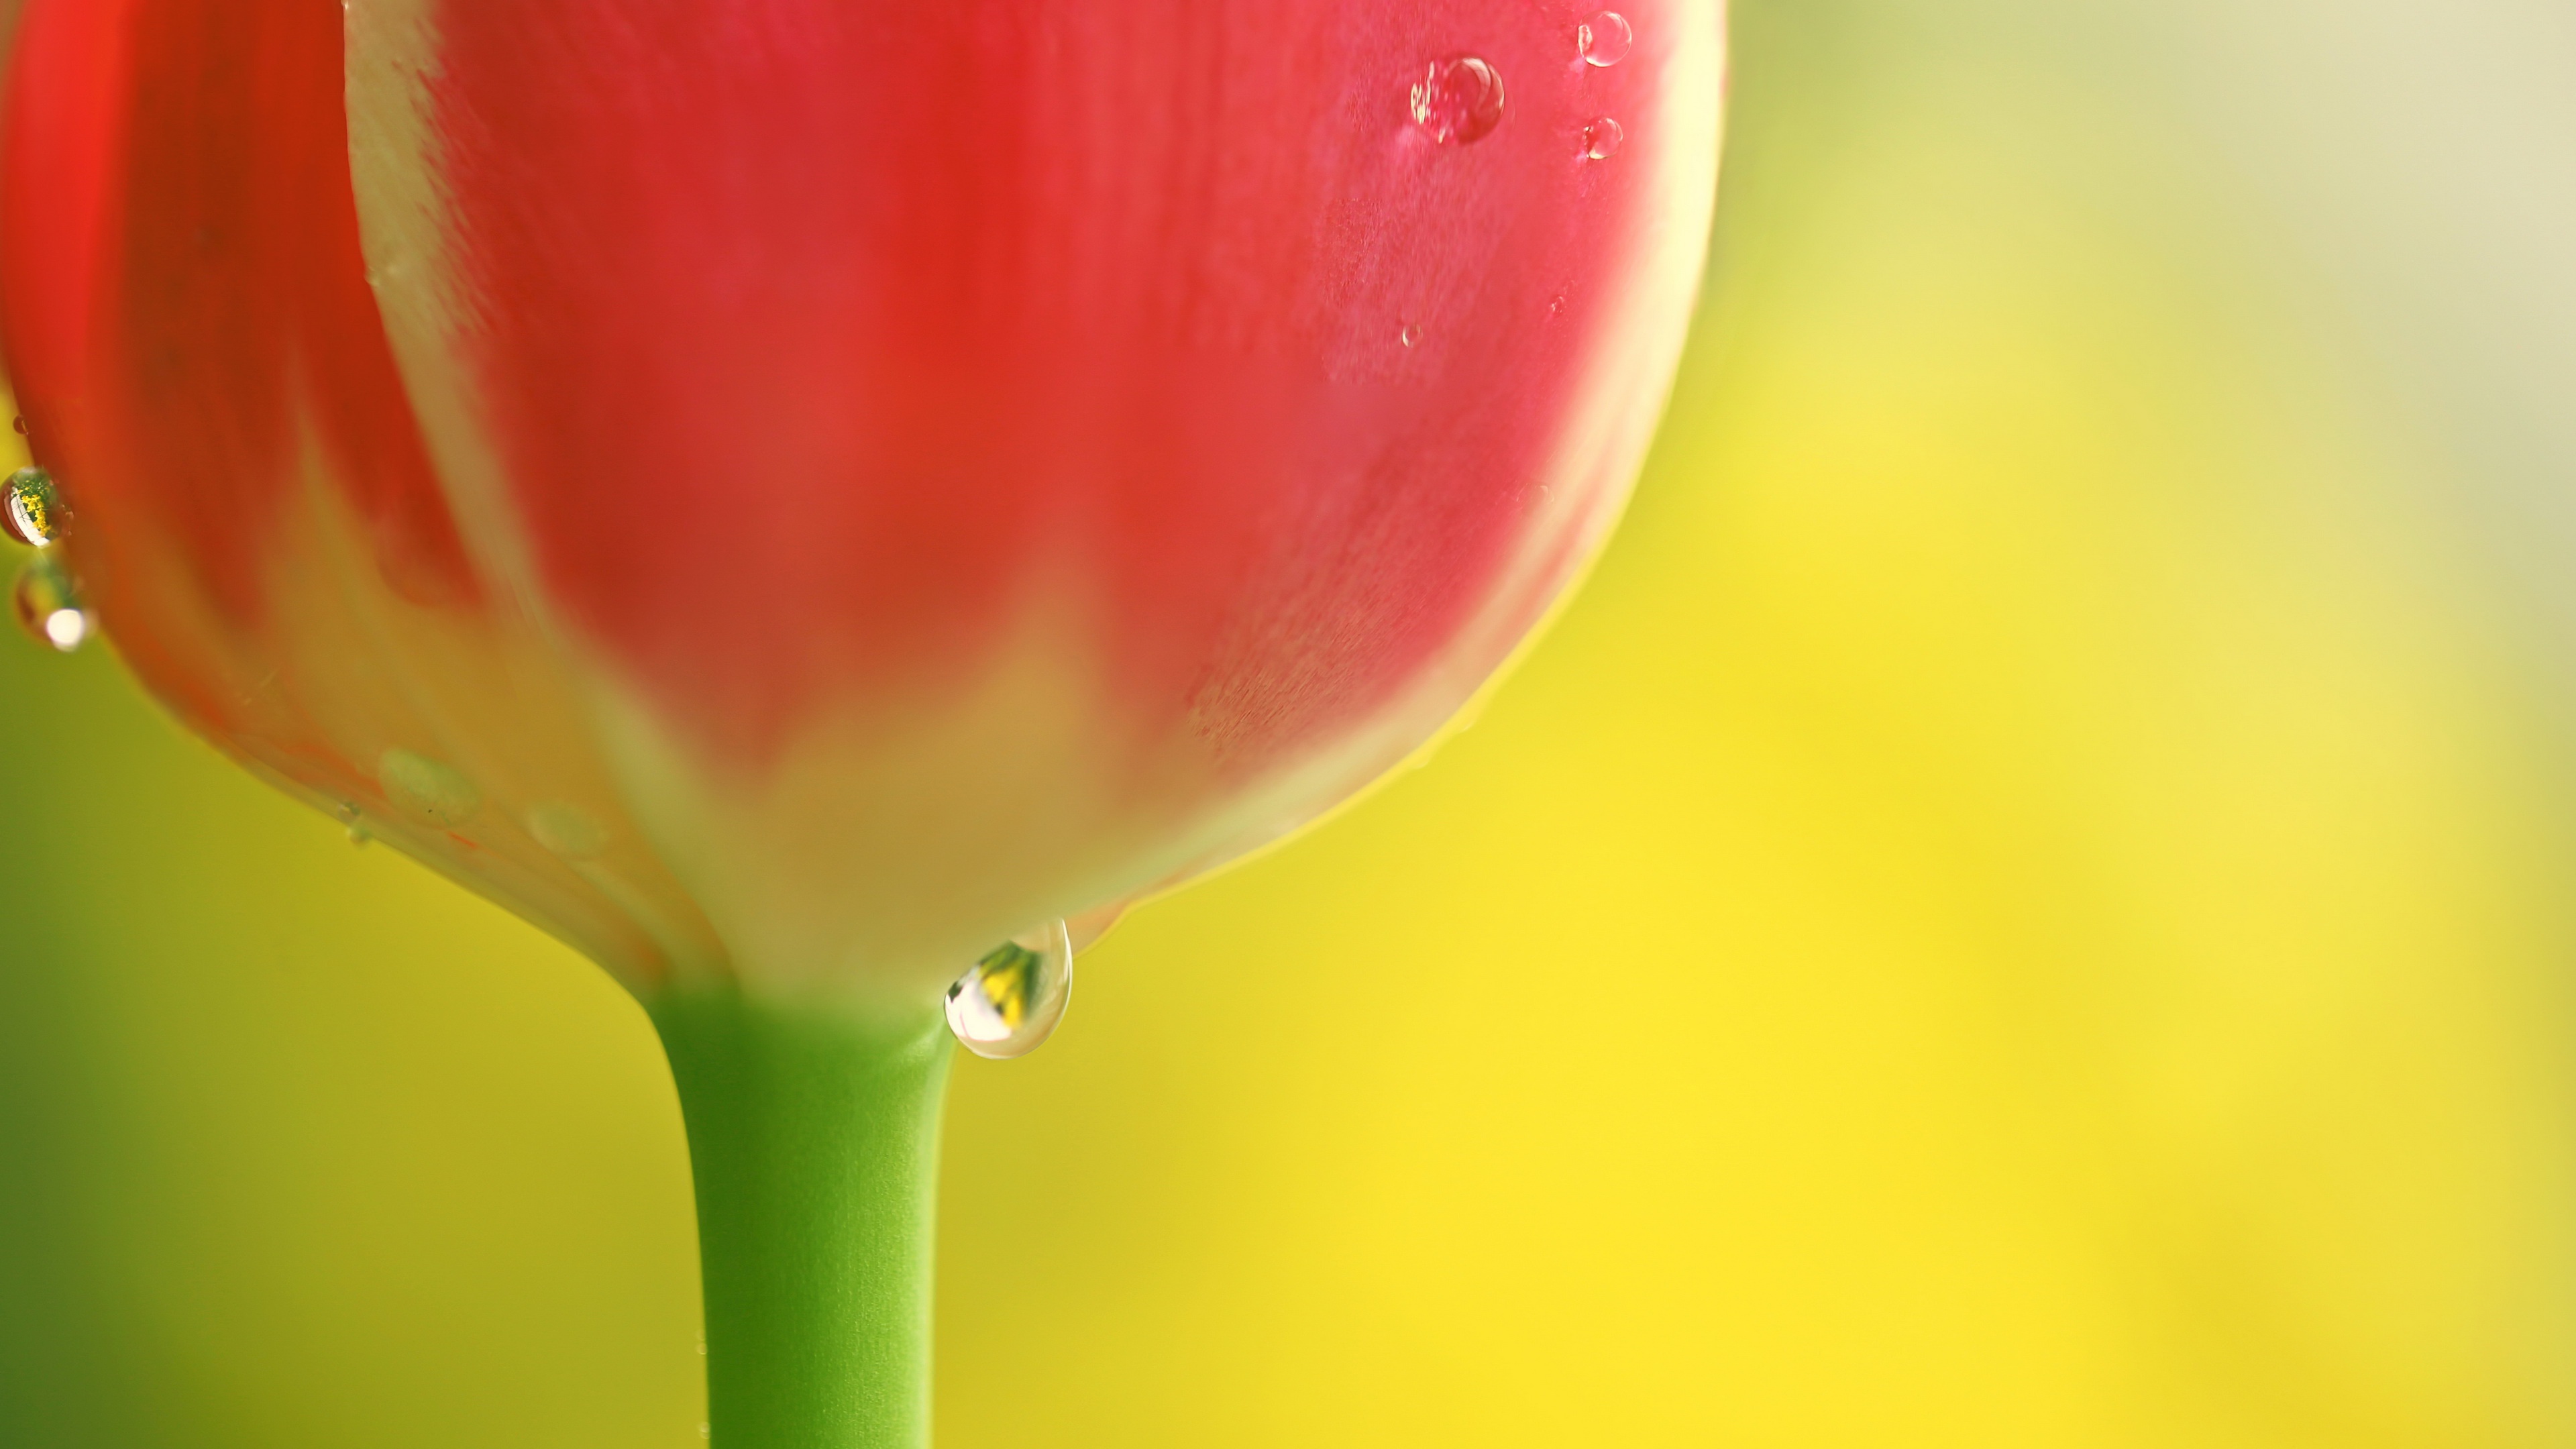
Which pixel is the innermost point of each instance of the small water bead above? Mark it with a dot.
(1459, 100)
(1008, 1004)
(1411, 334)
(354, 821)
(35, 509)
(1601, 139)
(431, 788)
(1604, 39)
(49, 607)
(567, 830)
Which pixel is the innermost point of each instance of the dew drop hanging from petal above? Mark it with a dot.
(1459, 100)
(35, 510)
(1604, 39)
(49, 607)
(1601, 139)
(1008, 1004)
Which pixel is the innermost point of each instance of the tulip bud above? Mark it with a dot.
(802, 491)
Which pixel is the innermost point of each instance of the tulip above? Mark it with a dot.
(786, 495)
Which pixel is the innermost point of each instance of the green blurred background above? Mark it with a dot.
(2028, 903)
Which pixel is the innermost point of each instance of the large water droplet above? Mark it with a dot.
(1007, 1004)
(428, 787)
(1601, 139)
(1459, 100)
(35, 510)
(49, 607)
(1604, 39)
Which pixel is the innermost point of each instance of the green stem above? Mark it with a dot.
(814, 1144)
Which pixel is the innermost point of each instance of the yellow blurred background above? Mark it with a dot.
(2028, 904)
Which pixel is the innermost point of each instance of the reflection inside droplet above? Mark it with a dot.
(1458, 100)
(1601, 138)
(48, 607)
(35, 510)
(1007, 1004)
(1604, 39)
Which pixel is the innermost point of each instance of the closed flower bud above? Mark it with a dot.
(803, 492)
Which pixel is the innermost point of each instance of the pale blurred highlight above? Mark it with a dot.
(2028, 904)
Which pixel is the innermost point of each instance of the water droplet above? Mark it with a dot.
(49, 607)
(1459, 100)
(567, 830)
(1007, 1004)
(426, 787)
(20, 423)
(355, 821)
(1604, 39)
(1601, 139)
(1556, 305)
(1411, 334)
(35, 509)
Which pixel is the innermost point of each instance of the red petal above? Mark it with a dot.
(193, 340)
(820, 338)
(188, 294)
